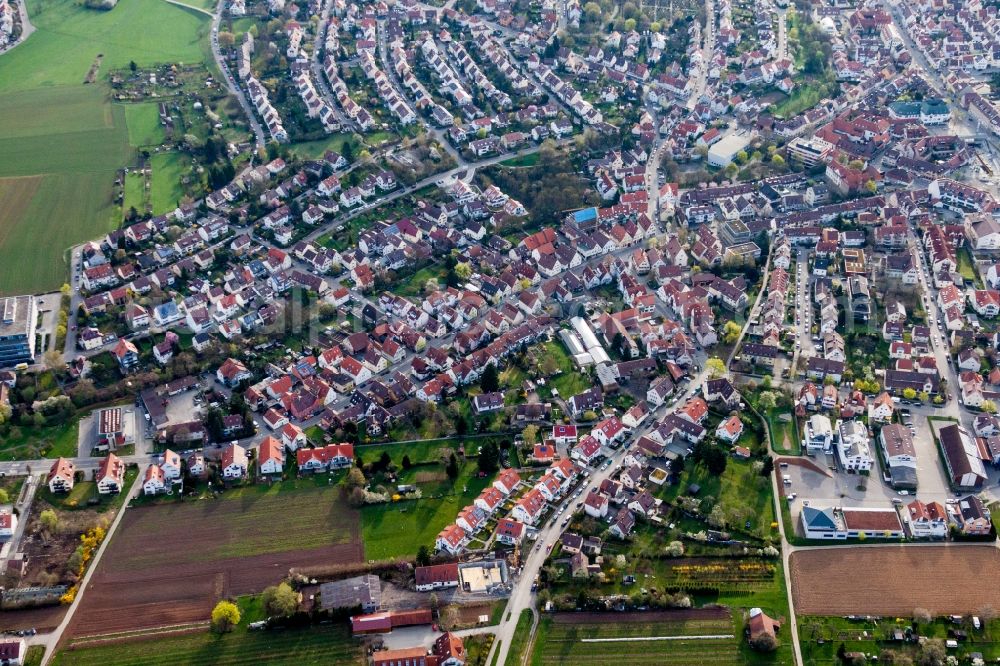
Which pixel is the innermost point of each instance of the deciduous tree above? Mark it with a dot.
(225, 616)
(280, 600)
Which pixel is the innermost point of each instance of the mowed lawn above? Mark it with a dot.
(65, 136)
(65, 209)
(143, 121)
(135, 192)
(166, 191)
(557, 643)
(398, 529)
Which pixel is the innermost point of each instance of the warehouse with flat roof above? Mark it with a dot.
(18, 321)
(724, 152)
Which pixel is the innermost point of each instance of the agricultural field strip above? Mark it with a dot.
(816, 574)
(706, 637)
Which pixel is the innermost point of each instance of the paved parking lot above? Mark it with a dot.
(833, 488)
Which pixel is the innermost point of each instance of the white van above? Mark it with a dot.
(787, 479)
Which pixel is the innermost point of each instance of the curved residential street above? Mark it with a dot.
(236, 90)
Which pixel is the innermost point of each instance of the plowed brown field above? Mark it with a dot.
(894, 580)
(169, 564)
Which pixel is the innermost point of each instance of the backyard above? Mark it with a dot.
(821, 637)
(397, 529)
(44, 442)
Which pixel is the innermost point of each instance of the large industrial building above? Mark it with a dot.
(18, 320)
(725, 151)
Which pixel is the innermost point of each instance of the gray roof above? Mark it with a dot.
(364, 591)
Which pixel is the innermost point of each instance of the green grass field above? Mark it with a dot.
(557, 643)
(143, 121)
(741, 492)
(569, 381)
(69, 37)
(311, 150)
(398, 529)
(519, 643)
(326, 644)
(135, 191)
(47, 442)
(64, 136)
(166, 191)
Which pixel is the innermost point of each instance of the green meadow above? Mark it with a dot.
(63, 140)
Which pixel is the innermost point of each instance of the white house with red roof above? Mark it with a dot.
(234, 462)
(596, 504)
(293, 437)
(452, 540)
(154, 482)
(564, 469)
(60, 479)
(232, 372)
(356, 370)
(110, 475)
(490, 500)
(271, 456)
(529, 508)
(171, 465)
(509, 531)
(609, 431)
(507, 481)
(471, 518)
(730, 429)
(587, 450)
(694, 410)
(549, 486)
(564, 434)
(329, 457)
(275, 419)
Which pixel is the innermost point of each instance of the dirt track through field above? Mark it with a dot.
(894, 580)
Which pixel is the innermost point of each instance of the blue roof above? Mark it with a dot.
(168, 308)
(818, 519)
(585, 215)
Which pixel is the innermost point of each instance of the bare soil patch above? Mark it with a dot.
(47, 557)
(169, 564)
(46, 618)
(894, 580)
(94, 69)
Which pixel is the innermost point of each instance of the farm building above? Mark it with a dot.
(436, 577)
(381, 623)
(363, 591)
